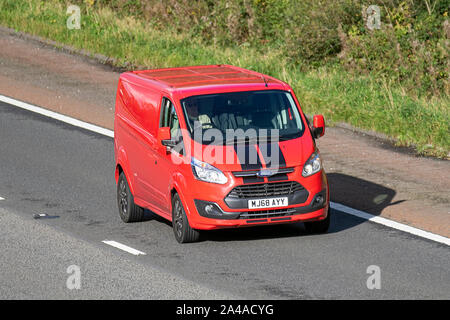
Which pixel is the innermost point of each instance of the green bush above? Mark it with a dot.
(411, 48)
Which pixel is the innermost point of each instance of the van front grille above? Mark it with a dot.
(263, 190)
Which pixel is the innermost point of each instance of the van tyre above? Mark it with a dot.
(181, 228)
(317, 227)
(128, 210)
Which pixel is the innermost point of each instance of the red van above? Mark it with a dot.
(210, 147)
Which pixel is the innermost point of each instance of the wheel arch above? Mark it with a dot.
(122, 166)
(178, 186)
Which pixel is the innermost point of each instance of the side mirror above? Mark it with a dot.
(318, 129)
(164, 137)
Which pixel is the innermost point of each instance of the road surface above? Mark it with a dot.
(49, 167)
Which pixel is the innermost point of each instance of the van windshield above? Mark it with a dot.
(242, 116)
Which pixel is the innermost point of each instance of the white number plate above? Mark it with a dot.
(267, 203)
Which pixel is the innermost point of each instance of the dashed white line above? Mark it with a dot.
(2, 198)
(123, 247)
(110, 133)
(390, 223)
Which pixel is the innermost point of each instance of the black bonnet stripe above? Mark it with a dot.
(278, 177)
(252, 179)
(248, 156)
(267, 149)
(249, 160)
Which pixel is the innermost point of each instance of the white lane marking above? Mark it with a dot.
(123, 247)
(336, 206)
(390, 223)
(2, 198)
(57, 116)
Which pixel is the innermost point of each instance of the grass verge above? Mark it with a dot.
(362, 101)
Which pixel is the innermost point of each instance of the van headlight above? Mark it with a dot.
(206, 172)
(313, 165)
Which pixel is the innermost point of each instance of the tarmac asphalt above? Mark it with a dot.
(67, 173)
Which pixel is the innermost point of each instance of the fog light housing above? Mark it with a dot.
(212, 210)
(318, 200)
(209, 208)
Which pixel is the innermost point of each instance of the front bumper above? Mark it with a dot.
(213, 211)
(214, 217)
(222, 213)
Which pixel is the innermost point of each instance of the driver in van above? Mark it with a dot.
(195, 116)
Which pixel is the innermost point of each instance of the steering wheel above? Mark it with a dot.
(208, 125)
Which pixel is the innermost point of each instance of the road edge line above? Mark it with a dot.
(57, 116)
(390, 223)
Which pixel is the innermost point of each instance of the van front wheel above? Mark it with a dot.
(128, 210)
(181, 228)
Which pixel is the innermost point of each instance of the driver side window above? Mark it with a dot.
(169, 118)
